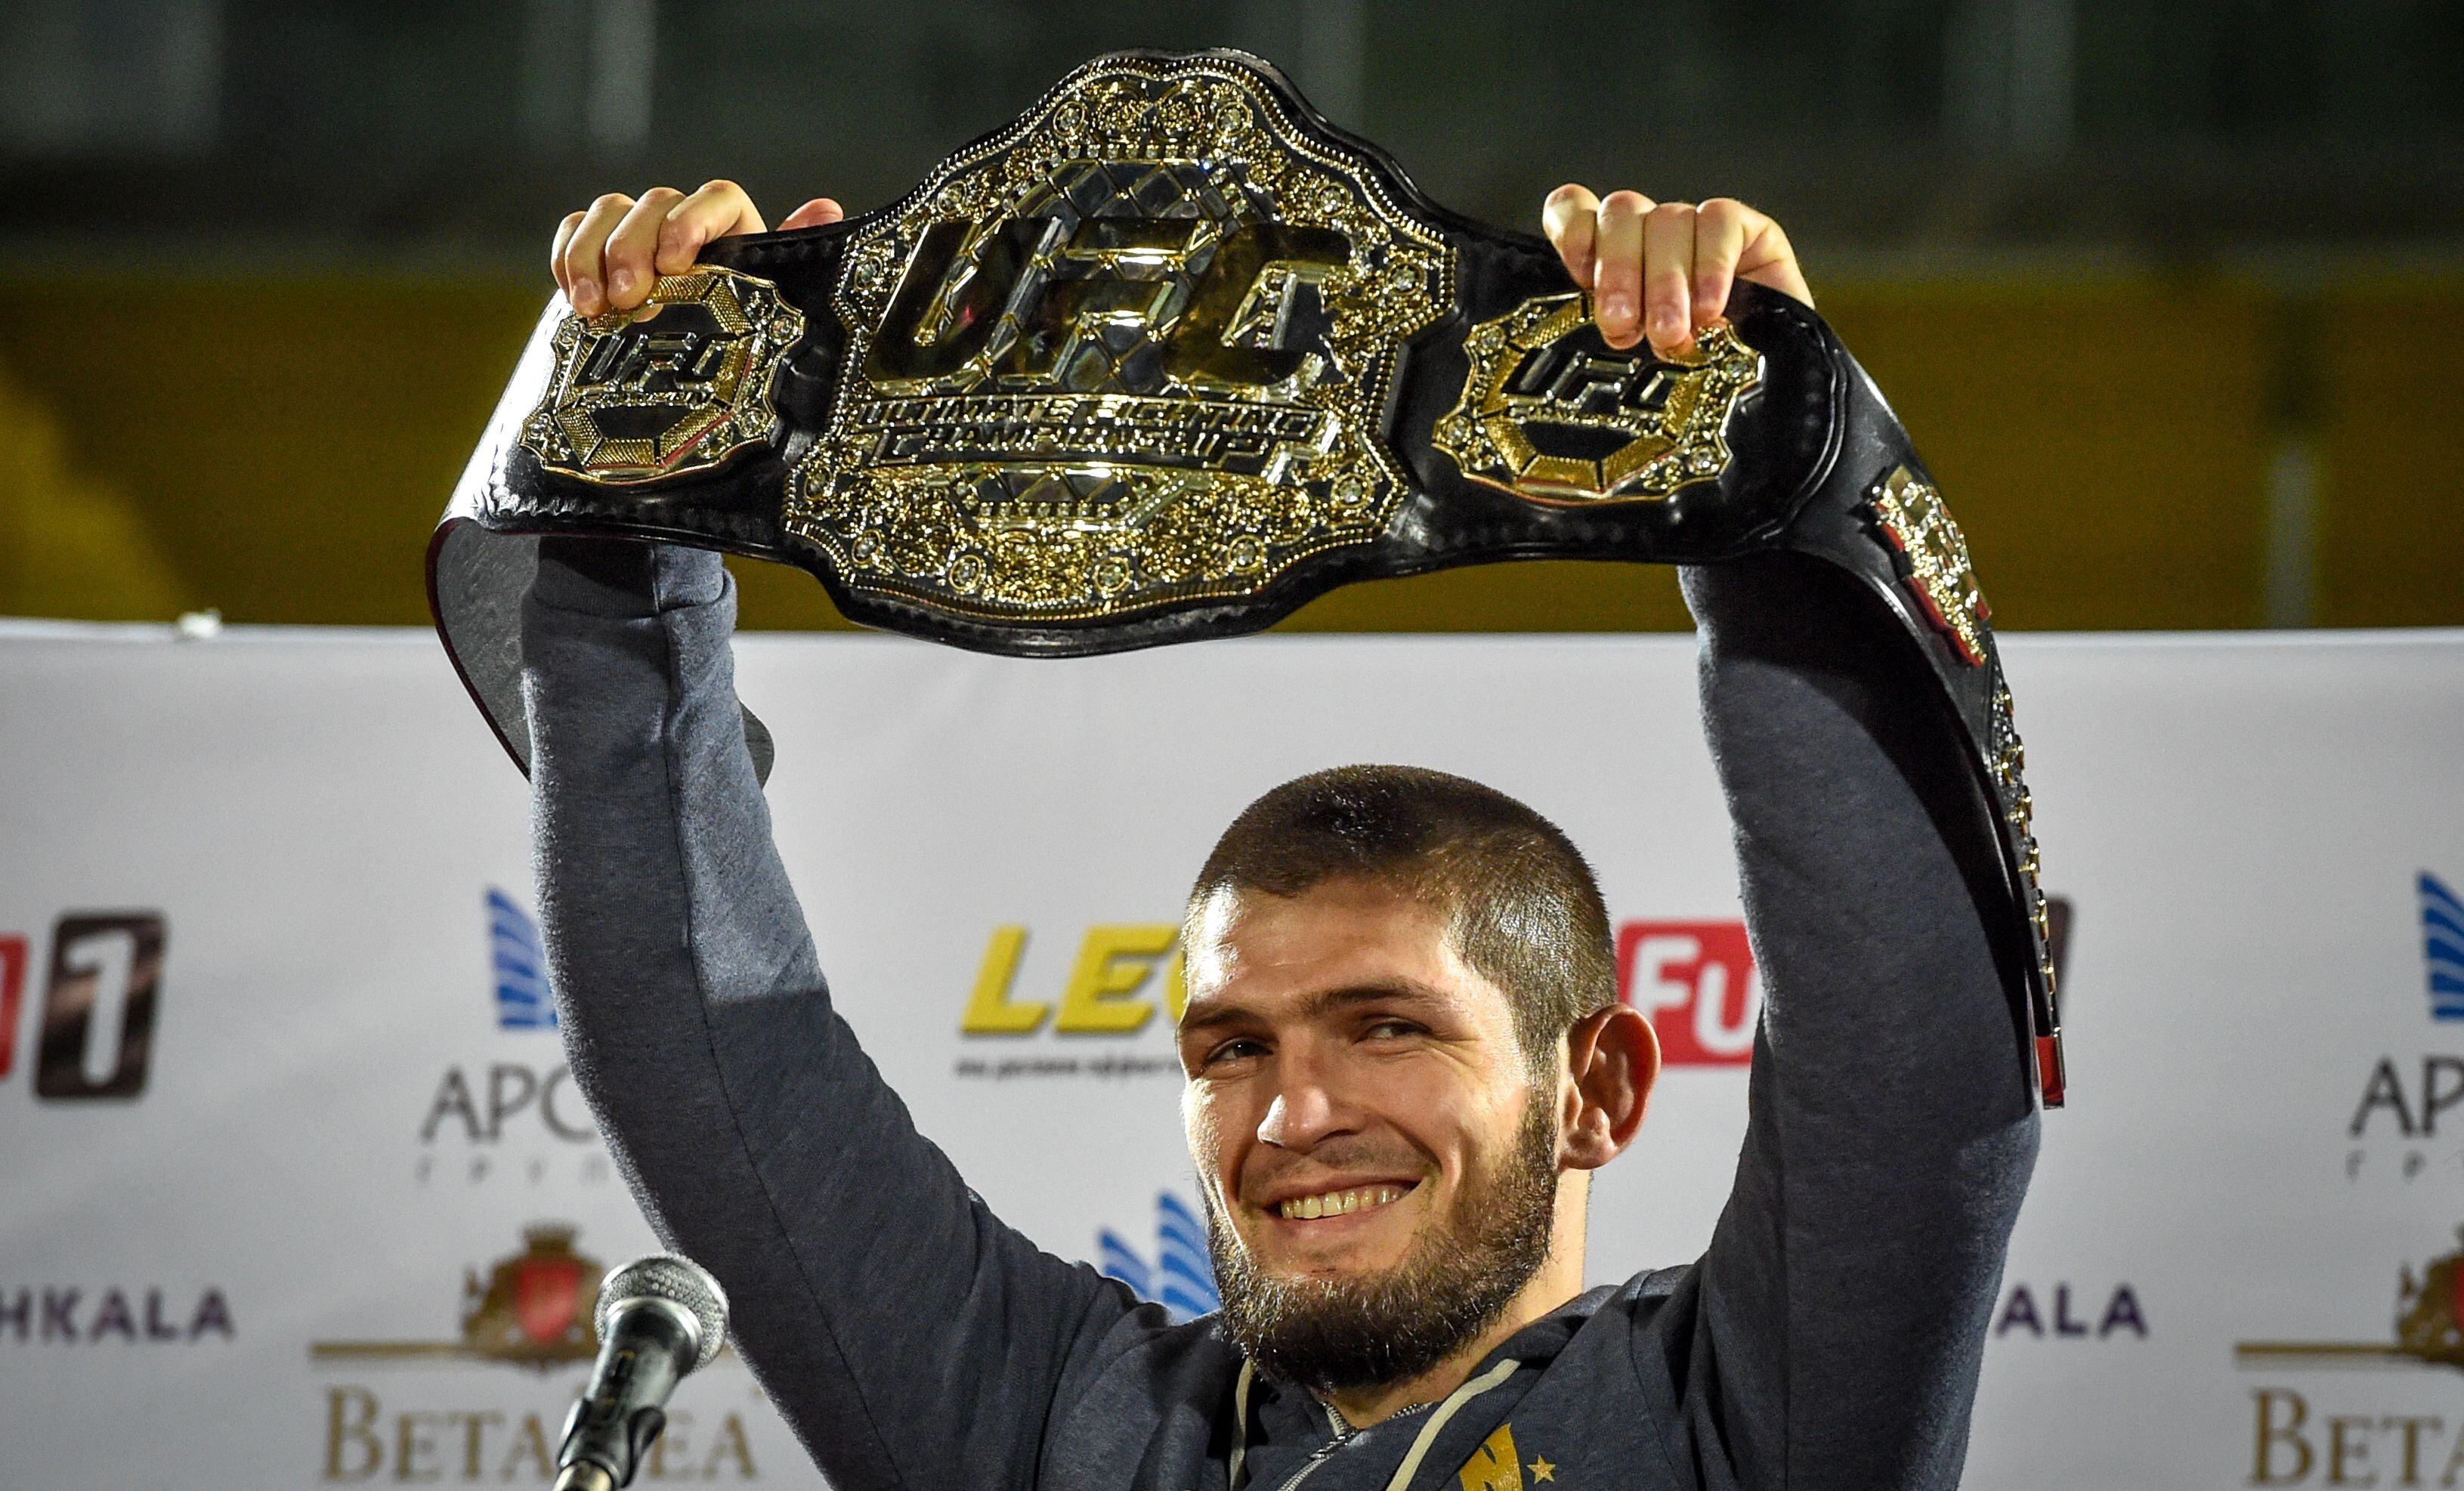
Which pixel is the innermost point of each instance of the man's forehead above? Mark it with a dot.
(1358, 939)
(1335, 913)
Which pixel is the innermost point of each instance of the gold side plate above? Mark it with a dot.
(677, 385)
(1133, 349)
(1913, 518)
(2010, 773)
(1552, 413)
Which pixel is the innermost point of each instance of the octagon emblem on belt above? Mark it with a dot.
(677, 385)
(1551, 412)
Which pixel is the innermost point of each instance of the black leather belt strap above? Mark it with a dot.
(1161, 360)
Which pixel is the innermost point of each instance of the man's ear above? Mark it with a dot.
(1613, 1060)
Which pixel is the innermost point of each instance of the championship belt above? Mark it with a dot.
(1164, 359)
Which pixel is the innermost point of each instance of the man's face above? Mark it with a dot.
(1363, 1119)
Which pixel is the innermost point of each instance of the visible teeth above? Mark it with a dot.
(1340, 1203)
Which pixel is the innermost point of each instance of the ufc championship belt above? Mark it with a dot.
(1166, 358)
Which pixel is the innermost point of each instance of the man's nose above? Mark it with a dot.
(1306, 1110)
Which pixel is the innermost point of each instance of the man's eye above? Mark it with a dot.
(1391, 1029)
(1235, 1050)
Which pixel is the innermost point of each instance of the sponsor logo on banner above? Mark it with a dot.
(1695, 980)
(1182, 1278)
(514, 1115)
(2428, 1326)
(1124, 980)
(2064, 1311)
(2442, 947)
(520, 963)
(2330, 1433)
(142, 1315)
(1697, 983)
(533, 1310)
(94, 1029)
(13, 993)
(2406, 1096)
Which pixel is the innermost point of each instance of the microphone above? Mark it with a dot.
(659, 1318)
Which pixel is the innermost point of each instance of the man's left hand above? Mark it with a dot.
(1665, 267)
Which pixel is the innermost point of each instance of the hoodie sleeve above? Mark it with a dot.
(910, 1338)
(1846, 1292)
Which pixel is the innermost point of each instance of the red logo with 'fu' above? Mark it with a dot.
(1695, 982)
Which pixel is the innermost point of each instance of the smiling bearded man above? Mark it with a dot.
(1489, 892)
(1404, 1049)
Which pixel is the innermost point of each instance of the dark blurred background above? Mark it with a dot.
(2171, 293)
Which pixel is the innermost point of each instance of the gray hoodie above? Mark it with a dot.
(1829, 1336)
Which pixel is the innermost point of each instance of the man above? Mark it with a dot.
(1403, 1047)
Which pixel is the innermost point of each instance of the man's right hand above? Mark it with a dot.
(609, 256)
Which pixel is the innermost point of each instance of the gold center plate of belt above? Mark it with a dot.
(1135, 349)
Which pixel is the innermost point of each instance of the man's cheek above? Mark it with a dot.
(1201, 1124)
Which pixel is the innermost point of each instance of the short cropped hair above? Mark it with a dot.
(1522, 906)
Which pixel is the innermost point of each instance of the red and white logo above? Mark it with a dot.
(1695, 982)
(94, 1037)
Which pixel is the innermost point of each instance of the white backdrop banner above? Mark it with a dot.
(300, 1192)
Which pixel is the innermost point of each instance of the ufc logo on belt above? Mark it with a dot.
(1110, 307)
(679, 345)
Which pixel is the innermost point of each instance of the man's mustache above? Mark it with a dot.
(1268, 1168)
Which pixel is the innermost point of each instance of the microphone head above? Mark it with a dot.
(680, 1281)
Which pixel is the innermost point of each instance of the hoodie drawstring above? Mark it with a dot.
(1447, 1409)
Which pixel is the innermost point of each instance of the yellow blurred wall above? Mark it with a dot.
(279, 449)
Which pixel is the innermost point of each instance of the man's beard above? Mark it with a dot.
(1330, 1334)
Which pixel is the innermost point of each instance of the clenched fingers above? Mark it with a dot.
(582, 251)
(1720, 226)
(1617, 271)
(556, 251)
(1768, 259)
(719, 210)
(1570, 218)
(1665, 269)
(1734, 242)
(1668, 278)
(632, 247)
(610, 256)
(816, 213)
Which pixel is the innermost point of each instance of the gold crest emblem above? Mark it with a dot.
(536, 1308)
(2429, 1325)
(677, 385)
(1133, 349)
(1551, 412)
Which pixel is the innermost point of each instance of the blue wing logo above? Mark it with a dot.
(1182, 1278)
(2442, 947)
(520, 964)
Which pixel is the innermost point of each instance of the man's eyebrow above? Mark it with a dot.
(1381, 990)
(1326, 1001)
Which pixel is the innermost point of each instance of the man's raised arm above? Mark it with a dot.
(1845, 1296)
(1840, 1312)
(911, 1339)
